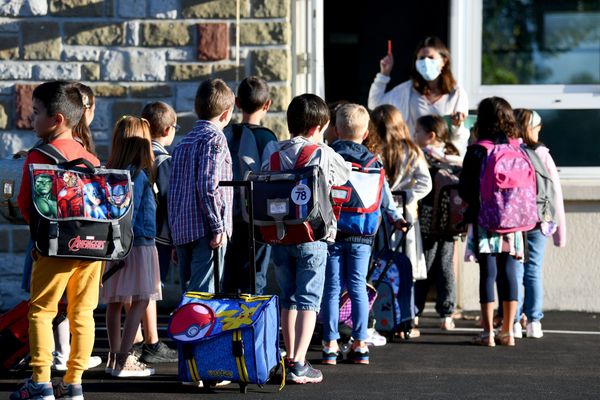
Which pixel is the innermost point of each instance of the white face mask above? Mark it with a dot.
(429, 68)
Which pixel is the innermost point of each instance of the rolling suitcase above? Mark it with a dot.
(233, 337)
(391, 275)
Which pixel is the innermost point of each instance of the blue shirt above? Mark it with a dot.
(197, 205)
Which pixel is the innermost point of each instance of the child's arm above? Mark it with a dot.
(211, 163)
(391, 211)
(422, 179)
(560, 236)
(339, 169)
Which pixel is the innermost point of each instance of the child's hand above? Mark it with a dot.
(217, 241)
(402, 225)
(386, 64)
(457, 118)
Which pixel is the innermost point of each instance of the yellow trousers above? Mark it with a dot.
(49, 279)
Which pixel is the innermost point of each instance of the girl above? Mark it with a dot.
(406, 169)
(498, 254)
(82, 132)
(530, 125)
(431, 134)
(138, 281)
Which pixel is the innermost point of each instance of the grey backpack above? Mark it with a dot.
(545, 194)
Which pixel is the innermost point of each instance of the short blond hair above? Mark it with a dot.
(352, 121)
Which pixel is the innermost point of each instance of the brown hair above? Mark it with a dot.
(395, 142)
(160, 116)
(306, 111)
(132, 146)
(252, 94)
(213, 98)
(523, 119)
(439, 126)
(446, 82)
(82, 131)
(495, 121)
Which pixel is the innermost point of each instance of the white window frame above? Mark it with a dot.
(466, 20)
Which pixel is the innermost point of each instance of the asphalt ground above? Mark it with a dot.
(564, 364)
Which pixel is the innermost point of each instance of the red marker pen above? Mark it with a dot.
(389, 46)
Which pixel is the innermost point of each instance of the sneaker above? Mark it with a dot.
(304, 373)
(200, 384)
(359, 355)
(110, 363)
(32, 390)
(331, 356)
(137, 349)
(375, 338)
(447, 324)
(71, 391)
(158, 353)
(534, 330)
(518, 330)
(128, 365)
(60, 365)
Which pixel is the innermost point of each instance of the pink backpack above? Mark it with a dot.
(508, 189)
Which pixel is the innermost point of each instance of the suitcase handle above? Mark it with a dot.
(249, 186)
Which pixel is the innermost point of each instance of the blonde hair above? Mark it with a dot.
(132, 145)
(352, 121)
(395, 145)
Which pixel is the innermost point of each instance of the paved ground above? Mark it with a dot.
(563, 365)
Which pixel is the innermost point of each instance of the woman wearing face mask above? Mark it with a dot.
(431, 90)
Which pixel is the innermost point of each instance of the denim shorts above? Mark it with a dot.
(300, 272)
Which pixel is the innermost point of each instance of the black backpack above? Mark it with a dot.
(80, 212)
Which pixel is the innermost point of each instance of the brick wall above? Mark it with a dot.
(131, 52)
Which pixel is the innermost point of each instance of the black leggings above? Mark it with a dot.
(500, 269)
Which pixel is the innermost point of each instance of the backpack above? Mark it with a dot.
(11, 172)
(507, 189)
(246, 156)
(291, 206)
(545, 194)
(357, 203)
(80, 212)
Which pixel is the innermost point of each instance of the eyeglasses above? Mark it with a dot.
(176, 127)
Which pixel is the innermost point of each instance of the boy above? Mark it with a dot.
(200, 210)
(57, 107)
(247, 142)
(300, 269)
(349, 256)
(163, 126)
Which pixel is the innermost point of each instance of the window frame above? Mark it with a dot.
(466, 20)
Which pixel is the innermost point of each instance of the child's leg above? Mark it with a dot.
(508, 289)
(487, 280)
(62, 341)
(149, 321)
(132, 322)
(285, 273)
(288, 329)
(355, 271)
(49, 280)
(533, 279)
(82, 294)
(311, 260)
(331, 295)
(446, 286)
(113, 326)
(422, 286)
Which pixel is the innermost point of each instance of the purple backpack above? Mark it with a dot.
(508, 189)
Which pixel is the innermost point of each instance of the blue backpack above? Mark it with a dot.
(357, 203)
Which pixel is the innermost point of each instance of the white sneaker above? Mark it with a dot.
(61, 365)
(518, 330)
(534, 330)
(201, 385)
(374, 338)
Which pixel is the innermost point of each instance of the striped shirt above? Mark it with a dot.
(197, 205)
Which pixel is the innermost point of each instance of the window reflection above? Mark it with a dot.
(541, 42)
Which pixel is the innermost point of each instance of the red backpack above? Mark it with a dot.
(508, 189)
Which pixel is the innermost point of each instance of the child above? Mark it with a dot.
(300, 269)
(57, 107)
(199, 210)
(530, 124)
(247, 142)
(81, 131)
(431, 134)
(163, 126)
(138, 281)
(406, 169)
(348, 260)
(498, 254)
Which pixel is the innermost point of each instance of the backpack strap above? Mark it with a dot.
(305, 155)
(371, 162)
(275, 161)
(51, 152)
(159, 159)
(488, 144)
(236, 130)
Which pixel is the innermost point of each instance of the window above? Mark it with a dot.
(538, 54)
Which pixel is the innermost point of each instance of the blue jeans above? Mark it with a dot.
(196, 261)
(300, 273)
(532, 278)
(347, 266)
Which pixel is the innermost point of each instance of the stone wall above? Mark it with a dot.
(131, 52)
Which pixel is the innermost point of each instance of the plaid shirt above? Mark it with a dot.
(197, 205)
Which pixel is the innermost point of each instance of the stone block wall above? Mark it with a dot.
(131, 52)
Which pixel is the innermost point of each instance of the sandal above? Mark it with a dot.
(506, 339)
(484, 339)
